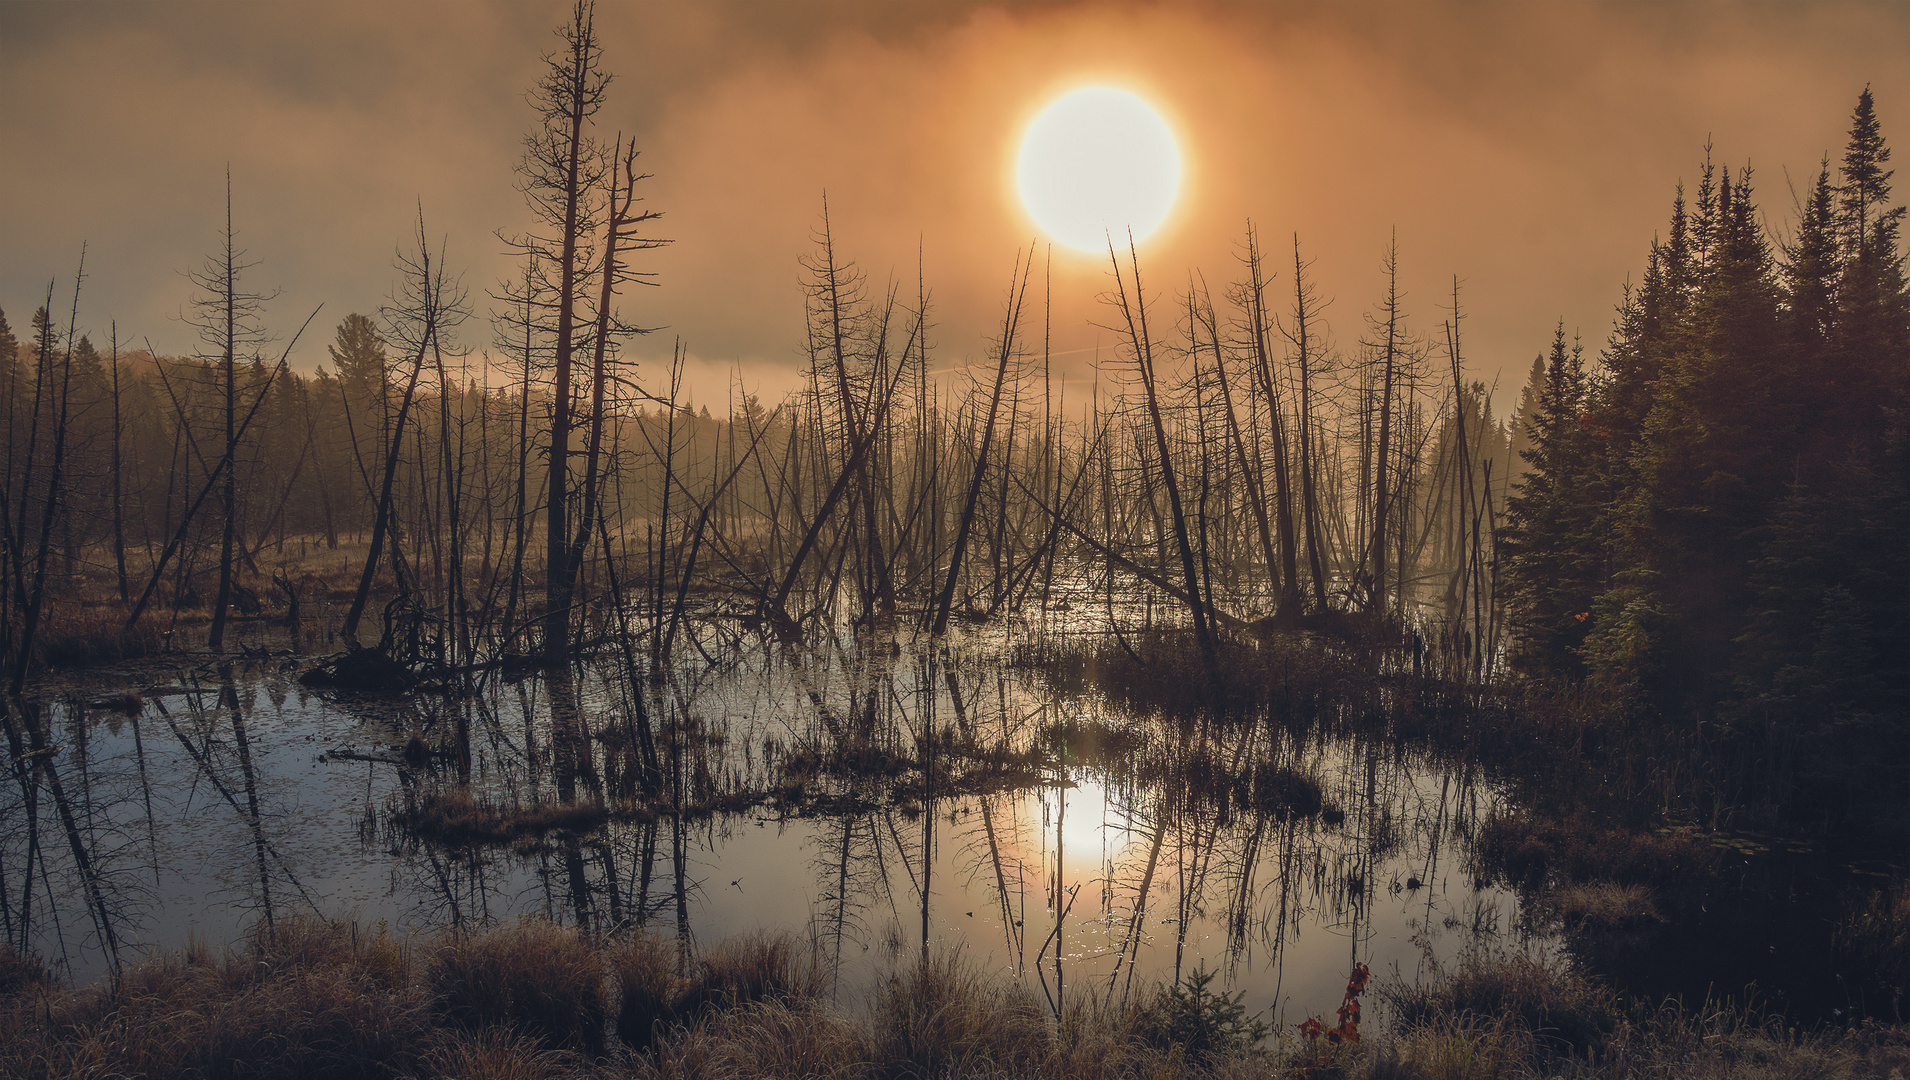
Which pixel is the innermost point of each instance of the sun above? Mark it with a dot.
(1098, 161)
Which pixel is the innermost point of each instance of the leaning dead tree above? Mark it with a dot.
(427, 305)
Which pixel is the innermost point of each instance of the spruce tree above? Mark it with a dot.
(1553, 560)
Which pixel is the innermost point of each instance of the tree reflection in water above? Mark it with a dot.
(893, 801)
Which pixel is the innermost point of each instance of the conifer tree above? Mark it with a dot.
(1552, 560)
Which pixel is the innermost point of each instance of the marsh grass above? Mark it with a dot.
(76, 635)
(1163, 671)
(303, 1000)
(1529, 850)
(944, 1018)
(534, 977)
(1562, 1013)
(1876, 939)
(1518, 1018)
(531, 1001)
(1604, 905)
(748, 970)
(20, 973)
(453, 817)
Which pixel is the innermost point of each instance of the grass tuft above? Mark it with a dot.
(943, 1018)
(1542, 998)
(748, 970)
(535, 977)
(76, 635)
(19, 974)
(454, 818)
(1529, 850)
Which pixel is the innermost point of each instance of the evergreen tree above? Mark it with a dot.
(1811, 268)
(363, 382)
(1553, 564)
(1721, 534)
(1525, 416)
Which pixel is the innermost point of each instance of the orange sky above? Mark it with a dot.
(1529, 149)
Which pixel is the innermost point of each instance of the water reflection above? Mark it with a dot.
(889, 802)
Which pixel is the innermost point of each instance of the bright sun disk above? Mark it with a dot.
(1096, 162)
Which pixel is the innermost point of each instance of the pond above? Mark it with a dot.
(877, 797)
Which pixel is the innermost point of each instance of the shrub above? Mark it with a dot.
(1204, 1022)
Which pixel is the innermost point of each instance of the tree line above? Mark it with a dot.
(1715, 529)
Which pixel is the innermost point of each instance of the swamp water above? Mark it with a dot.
(870, 797)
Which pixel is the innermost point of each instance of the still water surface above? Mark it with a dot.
(866, 795)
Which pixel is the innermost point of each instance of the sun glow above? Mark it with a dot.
(1096, 162)
(1086, 821)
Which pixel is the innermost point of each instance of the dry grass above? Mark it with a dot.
(1574, 850)
(75, 635)
(645, 970)
(768, 1040)
(1603, 905)
(1557, 1009)
(538, 978)
(531, 1001)
(496, 1054)
(455, 818)
(1876, 941)
(944, 1019)
(19, 974)
(1670, 1043)
(305, 1000)
(750, 969)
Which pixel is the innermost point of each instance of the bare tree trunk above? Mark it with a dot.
(427, 311)
(1259, 330)
(35, 598)
(575, 91)
(1010, 322)
(1305, 306)
(1134, 314)
(119, 516)
(228, 489)
(1382, 500)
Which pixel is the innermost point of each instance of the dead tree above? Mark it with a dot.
(428, 305)
(227, 318)
(1133, 313)
(1005, 353)
(561, 174)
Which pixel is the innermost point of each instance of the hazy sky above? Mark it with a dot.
(1530, 149)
